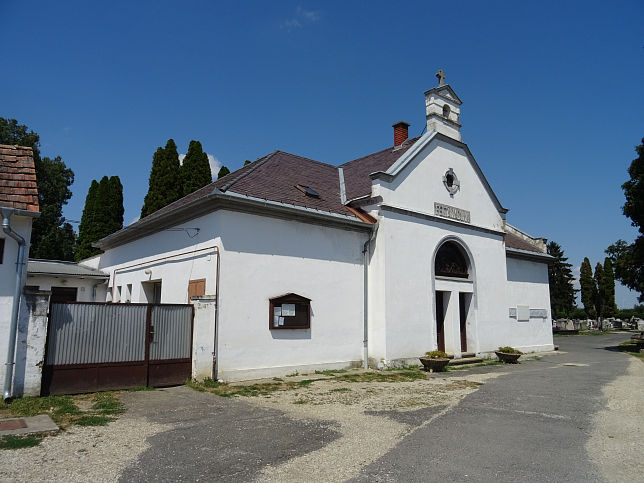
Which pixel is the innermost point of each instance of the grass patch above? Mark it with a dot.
(598, 332)
(340, 389)
(64, 410)
(19, 442)
(300, 401)
(94, 420)
(331, 372)
(478, 364)
(385, 376)
(141, 388)
(632, 349)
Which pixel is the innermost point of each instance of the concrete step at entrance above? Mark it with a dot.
(465, 360)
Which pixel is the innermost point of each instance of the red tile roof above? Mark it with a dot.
(18, 188)
(356, 172)
(516, 242)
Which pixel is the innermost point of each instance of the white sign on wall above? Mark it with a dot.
(288, 310)
(451, 212)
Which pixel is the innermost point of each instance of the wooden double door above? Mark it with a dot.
(442, 301)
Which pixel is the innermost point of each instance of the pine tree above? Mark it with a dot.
(223, 172)
(588, 288)
(195, 170)
(562, 292)
(610, 307)
(600, 294)
(165, 184)
(102, 215)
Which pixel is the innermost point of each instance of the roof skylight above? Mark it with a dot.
(307, 190)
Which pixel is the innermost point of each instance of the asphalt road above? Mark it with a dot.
(529, 425)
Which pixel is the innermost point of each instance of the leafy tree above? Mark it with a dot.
(51, 237)
(562, 292)
(102, 215)
(165, 184)
(588, 288)
(608, 289)
(223, 172)
(628, 260)
(600, 292)
(195, 170)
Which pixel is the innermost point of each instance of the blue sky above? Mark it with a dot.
(552, 91)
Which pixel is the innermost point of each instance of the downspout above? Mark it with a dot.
(365, 252)
(215, 352)
(11, 352)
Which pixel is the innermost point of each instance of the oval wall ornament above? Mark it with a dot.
(451, 182)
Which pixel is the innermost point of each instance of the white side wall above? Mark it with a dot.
(528, 285)
(21, 225)
(85, 286)
(264, 258)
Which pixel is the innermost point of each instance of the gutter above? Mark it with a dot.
(20, 261)
(365, 252)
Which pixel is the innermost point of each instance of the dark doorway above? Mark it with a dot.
(440, 319)
(463, 303)
(62, 295)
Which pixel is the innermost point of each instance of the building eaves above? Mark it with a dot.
(62, 268)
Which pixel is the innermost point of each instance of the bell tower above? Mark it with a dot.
(442, 109)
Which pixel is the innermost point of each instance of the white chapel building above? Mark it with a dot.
(316, 266)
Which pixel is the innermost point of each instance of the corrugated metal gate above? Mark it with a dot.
(96, 346)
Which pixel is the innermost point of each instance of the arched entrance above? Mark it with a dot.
(454, 290)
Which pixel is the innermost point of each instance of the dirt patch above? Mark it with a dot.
(616, 444)
(369, 415)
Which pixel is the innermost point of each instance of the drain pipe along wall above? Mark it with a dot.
(366, 248)
(20, 261)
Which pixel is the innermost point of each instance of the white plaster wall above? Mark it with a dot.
(409, 286)
(528, 285)
(420, 184)
(21, 225)
(84, 285)
(173, 257)
(264, 258)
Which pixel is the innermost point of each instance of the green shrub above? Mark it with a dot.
(436, 355)
(509, 350)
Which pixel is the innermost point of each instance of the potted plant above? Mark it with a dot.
(508, 355)
(434, 361)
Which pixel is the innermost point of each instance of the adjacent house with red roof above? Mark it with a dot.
(18, 206)
(316, 266)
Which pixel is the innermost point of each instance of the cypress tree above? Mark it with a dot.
(102, 215)
(600, 294)
(223, 172)
(165, 179)
(609, 289)
(195, 170)
(588, 288)
(562, 292)
(87, 224)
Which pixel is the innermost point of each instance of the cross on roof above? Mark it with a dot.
(441, 77)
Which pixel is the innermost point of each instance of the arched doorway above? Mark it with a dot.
(454, 288)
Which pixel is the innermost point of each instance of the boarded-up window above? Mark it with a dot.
(290, 311)
(196, 288)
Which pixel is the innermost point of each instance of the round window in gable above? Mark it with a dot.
(451, 182)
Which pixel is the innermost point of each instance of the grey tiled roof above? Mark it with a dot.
(516, 242)
(58, 267)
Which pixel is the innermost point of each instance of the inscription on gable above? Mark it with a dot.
(451, 212)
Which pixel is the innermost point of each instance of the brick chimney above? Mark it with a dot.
(400, 132)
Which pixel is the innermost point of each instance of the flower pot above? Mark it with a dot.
(432, 364)
(507, 358)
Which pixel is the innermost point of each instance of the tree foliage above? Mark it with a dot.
(600, 300)
(102, 215)
(51, 237)
(588, 288)
(628, 259)
(223, 171)
(165, 184)
(562, 292)
(195, 170)
(608, 289)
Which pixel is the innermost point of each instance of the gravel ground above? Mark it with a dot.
(97, 454)
(372, 418)
(616, 445)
